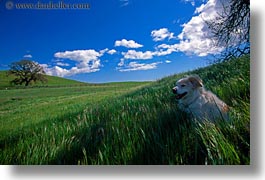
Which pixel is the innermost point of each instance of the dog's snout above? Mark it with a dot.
(174, 90)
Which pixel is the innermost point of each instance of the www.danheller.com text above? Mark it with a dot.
(48, 5)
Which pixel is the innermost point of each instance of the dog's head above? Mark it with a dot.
(186, 86)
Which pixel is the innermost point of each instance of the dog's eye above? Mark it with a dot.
(183, 85)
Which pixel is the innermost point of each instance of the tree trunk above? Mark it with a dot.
(27, 83)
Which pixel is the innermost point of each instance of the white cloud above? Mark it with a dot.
(56, 71)
(27, 56)
(167, 61)
(121, 63)
(139, 55)
(132, 54)
(62, 72)
(210, 9)
(161, 34)
(134, 66)
(87, 61)
(79, 55)
(112, 51)
(128, 44)
(103, 51)
(190, 1)
(62, 64)
(165, 49)
(161, 50)
(195, 37)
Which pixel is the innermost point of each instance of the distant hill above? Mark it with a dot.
(53, 81)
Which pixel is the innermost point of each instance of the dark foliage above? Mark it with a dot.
(26, 71)
(231, 28)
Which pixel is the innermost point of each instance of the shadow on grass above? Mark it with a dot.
(172, 141)
(88, 140)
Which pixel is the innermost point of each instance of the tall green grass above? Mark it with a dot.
(144, 127)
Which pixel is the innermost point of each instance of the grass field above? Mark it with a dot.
(126, 123)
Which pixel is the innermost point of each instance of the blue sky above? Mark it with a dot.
(112, 40)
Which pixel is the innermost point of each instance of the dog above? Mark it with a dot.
(199, 103)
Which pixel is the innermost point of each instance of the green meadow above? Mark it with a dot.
(68, 122)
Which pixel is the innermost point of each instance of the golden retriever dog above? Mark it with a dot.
(197, 102)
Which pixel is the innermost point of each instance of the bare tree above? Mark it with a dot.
(26, 71)
(231, 28)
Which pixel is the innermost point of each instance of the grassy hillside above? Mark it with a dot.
(52, 82)
(141, 126)
(21, 108)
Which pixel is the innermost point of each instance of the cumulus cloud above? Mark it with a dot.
(79, 55)
(112, 51)
(132, 54)
(161, 50)
(165, 49)
(139, 55)
(195, 37)
(127, 43)
(161, 34)
(62, 72)
(87, 61)
(134, 66)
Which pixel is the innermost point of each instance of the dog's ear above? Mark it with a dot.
(195, 81)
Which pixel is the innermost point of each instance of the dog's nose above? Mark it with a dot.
(174, 90)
